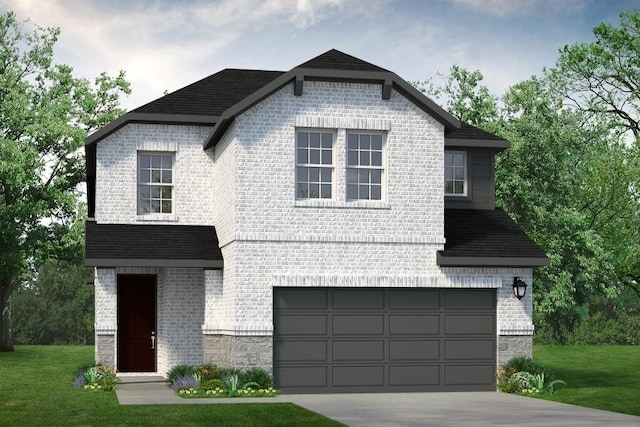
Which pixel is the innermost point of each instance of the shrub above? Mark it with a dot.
(208, 372)
(597, 329)
(96, 377)
(213, 384)
(521, 375)
(256, 375)
(186, 382)
(181, 371)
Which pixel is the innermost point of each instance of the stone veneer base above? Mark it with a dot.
(239, 351)
(510, 346)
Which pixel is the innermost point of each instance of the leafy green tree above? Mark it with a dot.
(602, 77)
(569, 181)
(463, 95)
(45, 114)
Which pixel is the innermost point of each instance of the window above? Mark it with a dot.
(155, 183)
(314, 165)
(364, 166)
(455, 173)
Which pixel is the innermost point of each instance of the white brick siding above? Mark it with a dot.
(116, 173)
(180, 314)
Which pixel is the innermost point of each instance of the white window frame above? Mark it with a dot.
(148, 183)
(453, 168)
(365, 155)
(307, 165)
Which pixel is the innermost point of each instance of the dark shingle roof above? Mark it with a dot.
(467, 131)
(336, 60)
(125, 244)
(211, 95)
(487, 235)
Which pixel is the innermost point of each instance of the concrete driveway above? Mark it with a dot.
(403, 409)
(455, 409)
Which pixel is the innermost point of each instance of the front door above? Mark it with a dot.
(136, 323)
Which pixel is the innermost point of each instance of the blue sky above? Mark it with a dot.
(165, 44)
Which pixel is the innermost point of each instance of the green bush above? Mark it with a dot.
(598, 329)
(213, 384)
(256, 375)
(181, 371)
(517, 374)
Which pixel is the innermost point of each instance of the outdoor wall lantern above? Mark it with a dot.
(519, 288)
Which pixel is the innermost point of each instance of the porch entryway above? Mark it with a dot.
(137, 323)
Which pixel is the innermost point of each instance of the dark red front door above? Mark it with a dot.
(136, 323)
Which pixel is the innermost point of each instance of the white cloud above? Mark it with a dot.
(506, 8)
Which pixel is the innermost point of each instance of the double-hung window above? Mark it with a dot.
(455, 173)
(155, 183)
(364, 166)
(314, 165)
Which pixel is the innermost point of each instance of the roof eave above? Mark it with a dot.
(151, 118)
(479, 261)
(498, 144)
(171, 263)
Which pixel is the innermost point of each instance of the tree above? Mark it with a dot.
(569, 182)
(45, 115)
(463, 95)
(56, 306)
(603, 77)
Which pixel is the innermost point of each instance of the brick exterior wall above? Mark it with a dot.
(116, 170)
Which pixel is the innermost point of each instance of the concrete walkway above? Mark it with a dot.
(403, 409)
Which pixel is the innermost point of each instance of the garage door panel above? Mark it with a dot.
(300, 324)
(358, 376)
(301, 376)
(414, 324)
(358, 299)
(301, 351)
(411, 299)
(402, 350)
(470, 350)
(384, 339)
(346, 351)
(469, 375)
(469, 299)
(302, 299)
(469, 324)
(358, 324)
(414, 375)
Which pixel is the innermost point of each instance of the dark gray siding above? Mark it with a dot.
(481, 181)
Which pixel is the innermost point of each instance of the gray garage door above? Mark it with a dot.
(329, 340)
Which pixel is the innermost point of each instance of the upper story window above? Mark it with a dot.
(455, 173)
(364, 166)
(314, 165)
(155, 183)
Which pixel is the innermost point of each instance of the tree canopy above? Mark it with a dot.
(571, 177)
(45, 115)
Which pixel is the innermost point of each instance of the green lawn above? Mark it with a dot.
(605, 377)
(35, 389)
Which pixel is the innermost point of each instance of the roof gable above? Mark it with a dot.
(336, 60)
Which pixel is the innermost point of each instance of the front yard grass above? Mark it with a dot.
(605, 377)
(35, 389)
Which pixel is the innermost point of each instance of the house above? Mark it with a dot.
(330, 223)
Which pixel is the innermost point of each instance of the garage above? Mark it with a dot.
(337, 340)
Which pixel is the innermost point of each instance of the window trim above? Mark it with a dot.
(331, 167)
(382, 168)
(465, 181)
(172, 185)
